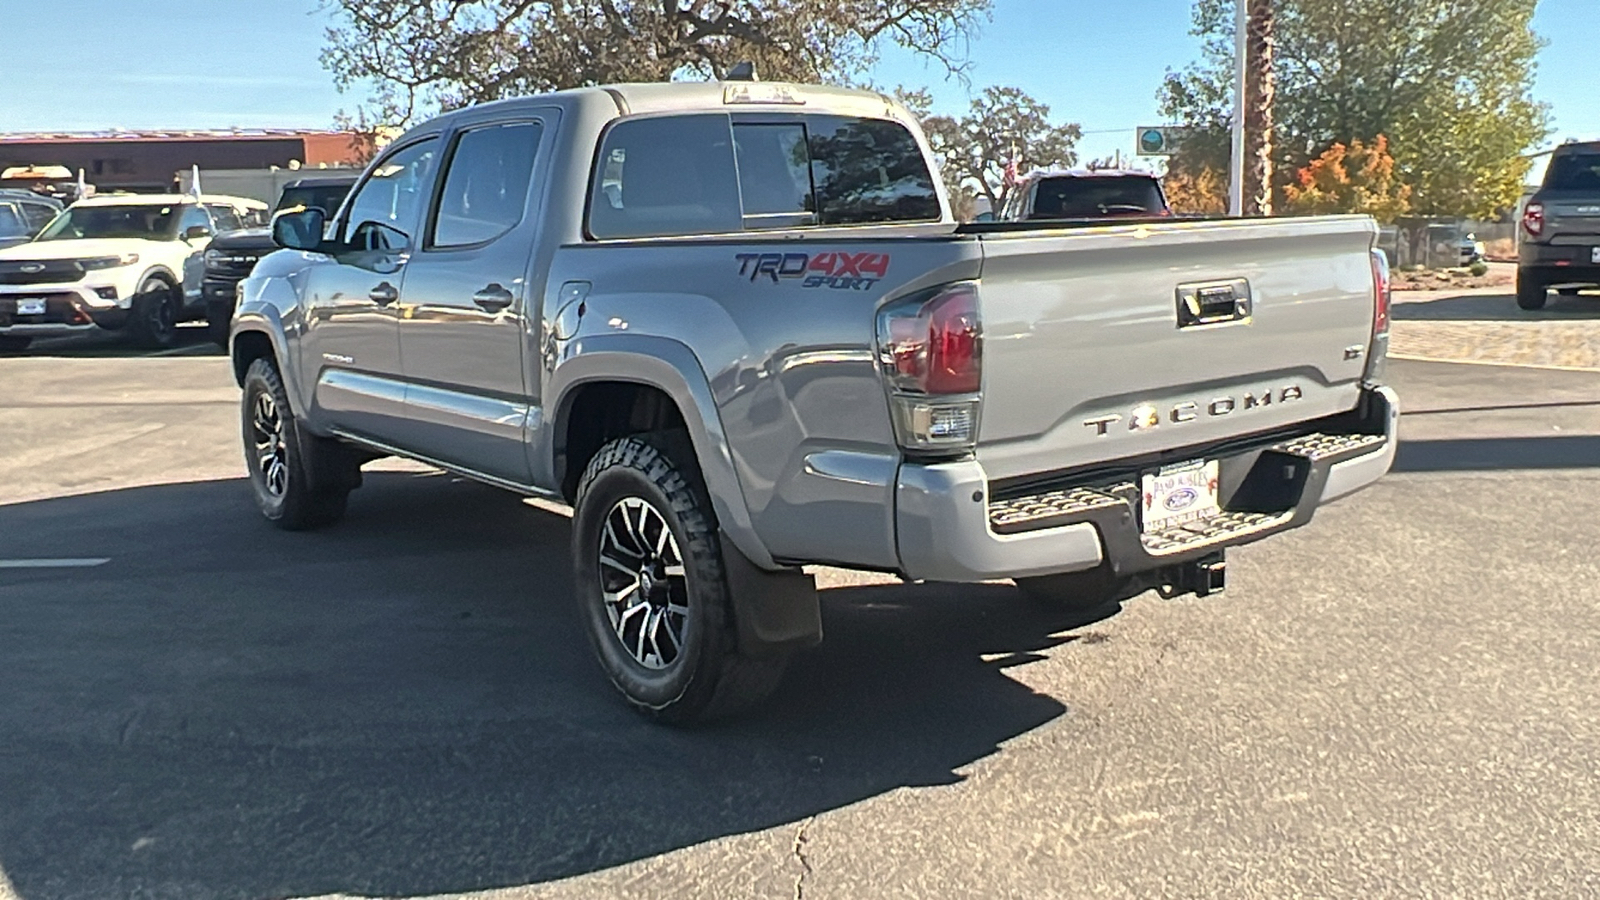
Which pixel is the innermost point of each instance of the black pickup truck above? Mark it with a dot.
(1560, 244)
(232, 255)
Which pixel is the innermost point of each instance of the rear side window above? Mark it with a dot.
(1090, 198)
(869, 170)
(1574, 172)
(486, 184)
(38, 215)
(659, 177)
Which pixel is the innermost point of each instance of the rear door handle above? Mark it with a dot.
(384, 294)
(493, 298)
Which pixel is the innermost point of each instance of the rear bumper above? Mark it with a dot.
(1557, 264)
(951, 526)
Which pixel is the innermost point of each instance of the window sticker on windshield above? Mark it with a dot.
(837, 270)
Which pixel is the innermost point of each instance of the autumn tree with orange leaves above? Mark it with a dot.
(1358, 178)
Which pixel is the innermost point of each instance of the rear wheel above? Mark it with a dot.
(14, 343)
(153, 318)
(1530, 290)
(300, 480)
(654, 595)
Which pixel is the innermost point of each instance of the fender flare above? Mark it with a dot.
(263, 319)
(672, 368)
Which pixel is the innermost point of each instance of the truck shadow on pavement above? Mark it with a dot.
(404, 704)
(1488, 454)
(1495, 308)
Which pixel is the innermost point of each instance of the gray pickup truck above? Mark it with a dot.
(735, 327)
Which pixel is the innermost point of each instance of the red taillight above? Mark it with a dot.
(935, 346)
(1382, 295)
(1533, 219)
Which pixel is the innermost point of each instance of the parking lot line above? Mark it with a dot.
(53, 563)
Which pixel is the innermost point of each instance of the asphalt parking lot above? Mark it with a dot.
(1397, 701)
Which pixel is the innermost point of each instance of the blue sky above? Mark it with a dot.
(254, 63)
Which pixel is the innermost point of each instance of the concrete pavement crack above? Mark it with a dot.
(799, 853)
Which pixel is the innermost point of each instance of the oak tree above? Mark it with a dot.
(1005, 128)
(418, 56)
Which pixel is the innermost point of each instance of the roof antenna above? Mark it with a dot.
(745, 71)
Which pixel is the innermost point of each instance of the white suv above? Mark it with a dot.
(129, 261)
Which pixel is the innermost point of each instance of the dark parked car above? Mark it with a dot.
(24, 214)
(1085, 194)
(1561, 227)
(233, 255)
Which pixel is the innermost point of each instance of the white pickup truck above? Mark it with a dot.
(122, 262)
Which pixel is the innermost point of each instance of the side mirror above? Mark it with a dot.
(196, 233)
(299, 229)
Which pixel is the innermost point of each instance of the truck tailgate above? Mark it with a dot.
(1085, 359)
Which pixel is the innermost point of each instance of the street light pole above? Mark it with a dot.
(1241, 41)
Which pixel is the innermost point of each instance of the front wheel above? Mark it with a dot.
(654, 595)
(300, 480)
(153, 317)
(219, 318)
(1531, 291)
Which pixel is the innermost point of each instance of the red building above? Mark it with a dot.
(150, 160)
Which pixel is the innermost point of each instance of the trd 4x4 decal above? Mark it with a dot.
(834, 269)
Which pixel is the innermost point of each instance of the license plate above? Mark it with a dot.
(1594, 256)
(1180, 494)
(30, 306)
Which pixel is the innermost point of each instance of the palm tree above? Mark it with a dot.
(1259, 91)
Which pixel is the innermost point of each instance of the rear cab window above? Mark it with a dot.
(715, 173)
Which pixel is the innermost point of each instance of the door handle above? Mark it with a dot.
(493, 298)
(384, 294)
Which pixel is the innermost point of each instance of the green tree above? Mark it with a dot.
(423, 55)
(1004, 126)
(1447, 81)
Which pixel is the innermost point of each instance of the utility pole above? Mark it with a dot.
(1250, 187)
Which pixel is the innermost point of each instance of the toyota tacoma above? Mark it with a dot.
(734, 327)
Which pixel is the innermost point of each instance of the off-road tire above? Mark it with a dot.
(707, 678)
(307, 480)
(219, 318)
(14, 343)
(1531, 292)
(153, 316)
(1089, 589)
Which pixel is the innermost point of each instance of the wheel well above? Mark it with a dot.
(249, 346)
(162, 274)
(601, 412)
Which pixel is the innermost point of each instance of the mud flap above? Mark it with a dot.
(775, 612)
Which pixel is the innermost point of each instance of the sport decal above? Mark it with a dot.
(837, 270)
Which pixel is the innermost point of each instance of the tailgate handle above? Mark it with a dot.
(1213, 303)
